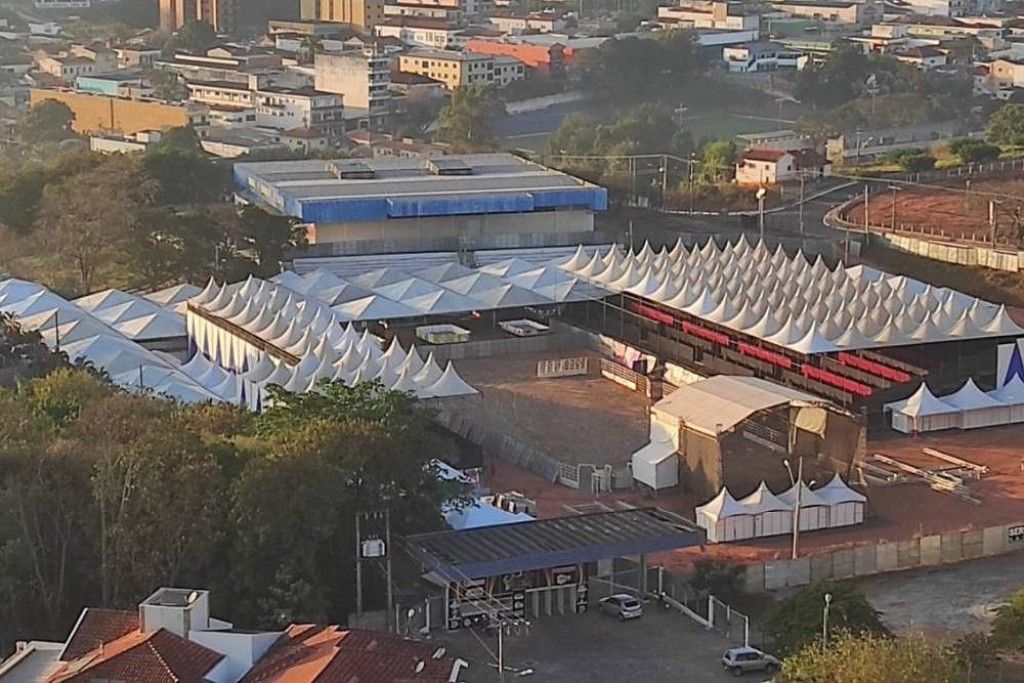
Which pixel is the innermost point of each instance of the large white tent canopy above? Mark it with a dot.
(791, 301)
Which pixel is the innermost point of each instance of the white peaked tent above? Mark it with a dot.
(923, 412)
(1012, 394)
(846, 505)
(657, 464)
(813, 508)
(724, 519)
(772, 515)
(978, 409)
(449, 384)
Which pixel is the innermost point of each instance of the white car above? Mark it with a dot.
(623, 606)
(740, 660)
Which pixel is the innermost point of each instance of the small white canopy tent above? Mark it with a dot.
(923, 412)
(772, 516)
(1012, 394)
(724, 519)
(846, 505)
(813, 508)
(979, 409)
(657, 464)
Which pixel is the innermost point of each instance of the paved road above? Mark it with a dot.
(955, 599)
(661, 646)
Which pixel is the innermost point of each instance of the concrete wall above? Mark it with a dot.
(960, 254)
(882, 557)
(472, 226)
(99, 113)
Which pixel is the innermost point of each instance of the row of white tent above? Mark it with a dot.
(791, 301)
(353, 359)
(88, 339)
(140, 318)
(391, 293)
(969, 407)
(764, 513)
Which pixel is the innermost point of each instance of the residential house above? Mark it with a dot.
(411, 89)
(766, 166)
(173, 637)
(464, 9)
(289, 108)
(924, 57)
(136, 56)
(762, 56)
(508, 69)
(306, 140)
(514, 23)
(833, 11)
(954, 8)
(711, 14)
(366, 143)
(543, 60)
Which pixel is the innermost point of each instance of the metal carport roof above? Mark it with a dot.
(545, 543)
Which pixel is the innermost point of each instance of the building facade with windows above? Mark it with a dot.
(454, 69)
(362, 77)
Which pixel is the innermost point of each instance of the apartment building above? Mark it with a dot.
(422, 32)
(508, 69)
(462, 8)
(454, 69)
(361, 14)
(291, 108)
(543, 60)
(362, 78)
(762, 56)
(220, 14)
(539, 22)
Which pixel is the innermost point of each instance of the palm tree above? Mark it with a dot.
(308, 48)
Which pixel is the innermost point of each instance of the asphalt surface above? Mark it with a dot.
(663, 645)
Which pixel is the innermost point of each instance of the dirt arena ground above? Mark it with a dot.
(585, 419)
(894, 512)
(945, 214)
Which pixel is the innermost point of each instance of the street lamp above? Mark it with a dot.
(824, 621)
(693, 160)
(761, 194)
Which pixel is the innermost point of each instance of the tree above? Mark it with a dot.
(184, 175)
(912, 160)
(1006, 127)
(718, 161)
(625, 71)
(87, 219)
(797, 621)
(872, 658)
(1008, 626)
(47, 121)
(467, 123)
(974, 151)
(167, 85)
(24, 351)
(265, 238)
(194, 36)
(309, 47)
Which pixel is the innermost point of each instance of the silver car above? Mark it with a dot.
(740, 660)
(623, 606)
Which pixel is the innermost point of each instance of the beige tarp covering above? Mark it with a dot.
(811, 419)
(719, 403)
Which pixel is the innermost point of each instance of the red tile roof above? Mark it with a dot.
(97, 626)
(763, 154)
(150, 657)
(316, 654)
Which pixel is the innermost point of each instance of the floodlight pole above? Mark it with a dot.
(796, 508)
(801, 205)
(824, 621)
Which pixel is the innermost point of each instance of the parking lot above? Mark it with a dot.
(663, 645)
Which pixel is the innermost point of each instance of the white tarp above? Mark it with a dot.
(657, 464)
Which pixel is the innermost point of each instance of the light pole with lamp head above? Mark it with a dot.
(824, 621)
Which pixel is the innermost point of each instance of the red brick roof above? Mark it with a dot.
(150, 657)
(98, 626)
(763, 154)
(317, 654)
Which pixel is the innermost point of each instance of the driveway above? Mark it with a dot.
(663, 645)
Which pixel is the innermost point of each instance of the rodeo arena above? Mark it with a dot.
(621, 413)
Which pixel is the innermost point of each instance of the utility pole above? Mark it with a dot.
(796, 508)
(824, 621)
(893, 225)
(387, 563)
(56, 330)
(664, 179)
(692, 161)
(801, 205)
(501, 652)
(992, 220)
(866, 207)
(631, 235)
(761, 194)
(359, 568)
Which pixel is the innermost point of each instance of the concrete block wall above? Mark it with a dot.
(883, 557)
